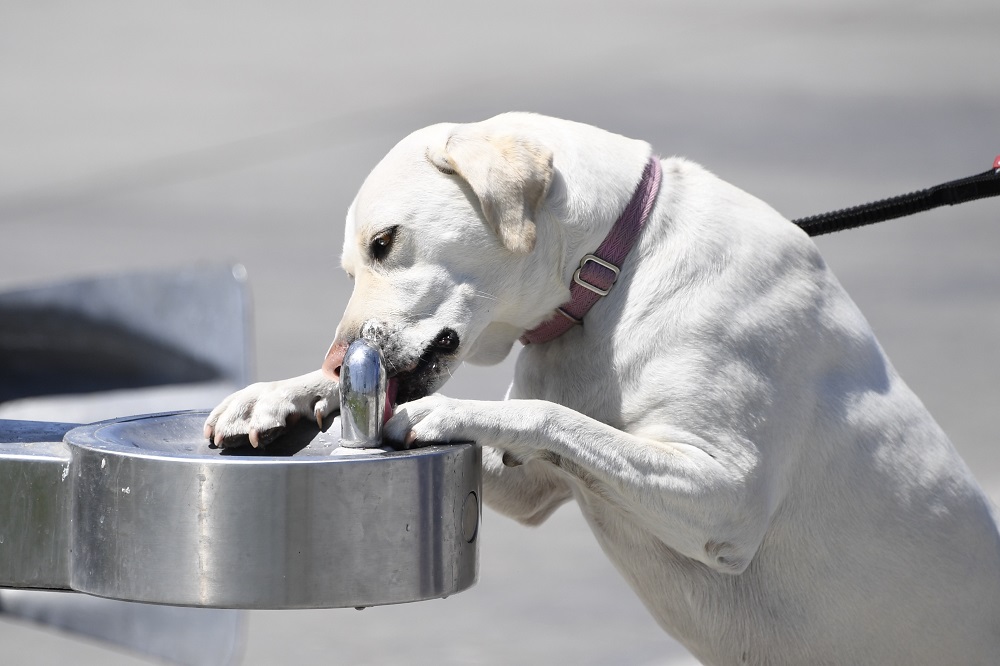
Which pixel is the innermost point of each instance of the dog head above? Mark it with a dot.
(444, 242)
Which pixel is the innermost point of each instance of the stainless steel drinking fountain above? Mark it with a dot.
(143, 509)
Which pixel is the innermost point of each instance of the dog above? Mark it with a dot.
(724, 417)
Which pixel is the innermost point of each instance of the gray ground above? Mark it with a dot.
(137, 136)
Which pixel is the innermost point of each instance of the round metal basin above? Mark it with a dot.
(159, 516)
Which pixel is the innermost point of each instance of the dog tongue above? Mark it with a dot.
(391, 388)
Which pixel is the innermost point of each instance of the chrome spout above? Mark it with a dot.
(362, 396)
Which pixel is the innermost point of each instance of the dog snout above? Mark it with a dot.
(334, 359)
(374, 331)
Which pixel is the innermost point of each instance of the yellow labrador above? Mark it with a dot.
(724, 417)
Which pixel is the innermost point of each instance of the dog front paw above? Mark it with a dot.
(436, 419)
(433, 419)
(260, 413)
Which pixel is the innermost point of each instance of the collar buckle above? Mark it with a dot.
(591, 286)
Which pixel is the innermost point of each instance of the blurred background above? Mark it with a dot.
(137, 136)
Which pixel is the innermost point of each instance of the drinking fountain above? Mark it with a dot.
(143, 508)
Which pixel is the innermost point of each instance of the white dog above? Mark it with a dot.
(724, 417)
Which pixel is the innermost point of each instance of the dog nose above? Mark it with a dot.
(334, 359)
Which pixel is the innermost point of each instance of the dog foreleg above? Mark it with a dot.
(705, 500)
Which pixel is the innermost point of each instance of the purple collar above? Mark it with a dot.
(598, 271)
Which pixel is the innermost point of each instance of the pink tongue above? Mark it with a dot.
(392, 387)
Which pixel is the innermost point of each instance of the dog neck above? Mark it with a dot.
(599, 270)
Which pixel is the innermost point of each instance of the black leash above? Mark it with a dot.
(980, 186)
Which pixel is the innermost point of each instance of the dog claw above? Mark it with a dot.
(255, 439)
(319, 419)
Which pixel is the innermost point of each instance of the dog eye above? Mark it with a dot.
(382, 243)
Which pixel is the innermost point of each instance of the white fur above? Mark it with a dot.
(725, 419)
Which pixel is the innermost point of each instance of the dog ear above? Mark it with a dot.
(510, 176)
